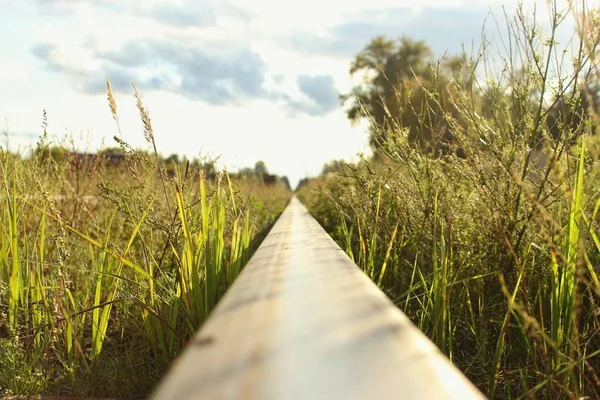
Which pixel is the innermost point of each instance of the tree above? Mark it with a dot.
(387, 67)
(260, 168)
(286, 183)
(57, 153)
(572, 110)
(334, 166)
(403, 89)
(247, 172)
(173, 158)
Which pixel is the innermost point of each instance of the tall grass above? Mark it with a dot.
(101, 295)
(497, 260)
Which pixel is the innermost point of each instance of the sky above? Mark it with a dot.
(244, 80)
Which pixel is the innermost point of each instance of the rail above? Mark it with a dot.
(302, 321)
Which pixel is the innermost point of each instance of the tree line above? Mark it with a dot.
(116, 156)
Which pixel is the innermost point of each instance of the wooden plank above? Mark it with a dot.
(303, 322)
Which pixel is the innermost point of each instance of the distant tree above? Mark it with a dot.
(111, 150)
(209, 168)
(402, 88)
(456, 68)
(387, 67)
(564, 120)
(247, 172)
(195, 163)
(173, 158)
(303, 182)
(286, 182)
(260, 168)
(57, 153)
(333, 166)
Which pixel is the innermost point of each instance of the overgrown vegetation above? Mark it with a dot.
(106, 271)
(478, 213)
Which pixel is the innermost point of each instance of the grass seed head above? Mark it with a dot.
(145, 116)
(111, 101)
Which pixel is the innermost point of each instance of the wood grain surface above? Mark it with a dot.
(302, 321)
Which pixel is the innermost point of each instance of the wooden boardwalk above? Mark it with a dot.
(302, 321)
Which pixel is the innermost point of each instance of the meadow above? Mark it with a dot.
(479, 216)
(106, 271)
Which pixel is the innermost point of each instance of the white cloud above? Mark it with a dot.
(79, 42)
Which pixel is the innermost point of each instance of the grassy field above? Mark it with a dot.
(106, 272)
(492, 249)
(490, 245)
